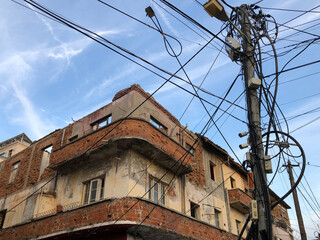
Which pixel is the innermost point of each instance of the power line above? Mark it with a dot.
(298, 30)
(299, 99)
(293, 68)
(211, 116)
(306, 124)
(290, 10)
(75, 27)
(298, 78)
(305, 198)
(312, 165)
(305, 12)
(190, 27)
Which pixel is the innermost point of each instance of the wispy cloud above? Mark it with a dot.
(15, 70)
(107, 82)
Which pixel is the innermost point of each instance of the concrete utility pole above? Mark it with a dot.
(253, 105)
(296, 203)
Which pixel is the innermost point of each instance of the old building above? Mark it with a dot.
(281, 224)
(13, 145)
(123, 172)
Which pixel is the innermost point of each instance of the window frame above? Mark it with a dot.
(190, 149)
(10, 153)
(102, 122)
(14, 171)
(2, 217)
(238, 226)
(217, 215)
(44, 163)
(194, 210)
(87, 197)
(233, 183)
(213, 171)
(158, 124)
(157, 187)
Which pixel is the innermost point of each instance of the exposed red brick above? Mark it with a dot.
(111, 210)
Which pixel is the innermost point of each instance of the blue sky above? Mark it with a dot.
(51, 74)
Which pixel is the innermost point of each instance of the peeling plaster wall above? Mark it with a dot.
(236, 215)
(24, 211)
(240, 181)
(216, 199)
(140, 170)
(113, 169)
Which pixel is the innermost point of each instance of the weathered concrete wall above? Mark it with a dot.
(140, 171)
(236, 215)
(24, 206)
(240, 182)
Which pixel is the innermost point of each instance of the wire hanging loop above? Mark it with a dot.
(150, 13)
(284, 146)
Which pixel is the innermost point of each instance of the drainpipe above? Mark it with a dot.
(183, 198)
(226, 200)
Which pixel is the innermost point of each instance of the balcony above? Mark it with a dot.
(239, 200)
(135, 134)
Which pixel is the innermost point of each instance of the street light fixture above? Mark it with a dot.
(215, 9)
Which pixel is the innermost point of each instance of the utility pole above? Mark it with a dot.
(257, 154)
(296, 202)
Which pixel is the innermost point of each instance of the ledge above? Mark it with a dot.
(103, 218)
(135, 134)
(239, 200)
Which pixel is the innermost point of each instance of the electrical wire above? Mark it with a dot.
(203, 32)
(305, 12)
(294, 68)
(312, 196)
(42, 186)
(290, 10)
(299, 99)
(306, 124)
(176, 56)
(305, 198)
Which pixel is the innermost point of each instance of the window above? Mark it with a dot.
(194, 210)
(213, 172)
(190, 149)
(93, 190)
(46, 152)
(217, 215)
(73, 138)
(157, 192)
(14, 171)
(157, 124)
(2, 217)
(284, 215)
(238, 225)
(10, 153)
(101, 122)
(233, 182)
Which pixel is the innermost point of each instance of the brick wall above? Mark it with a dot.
(28, 171)
(239, 195)
(110, 210)
(128, 128)
(277, 213)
